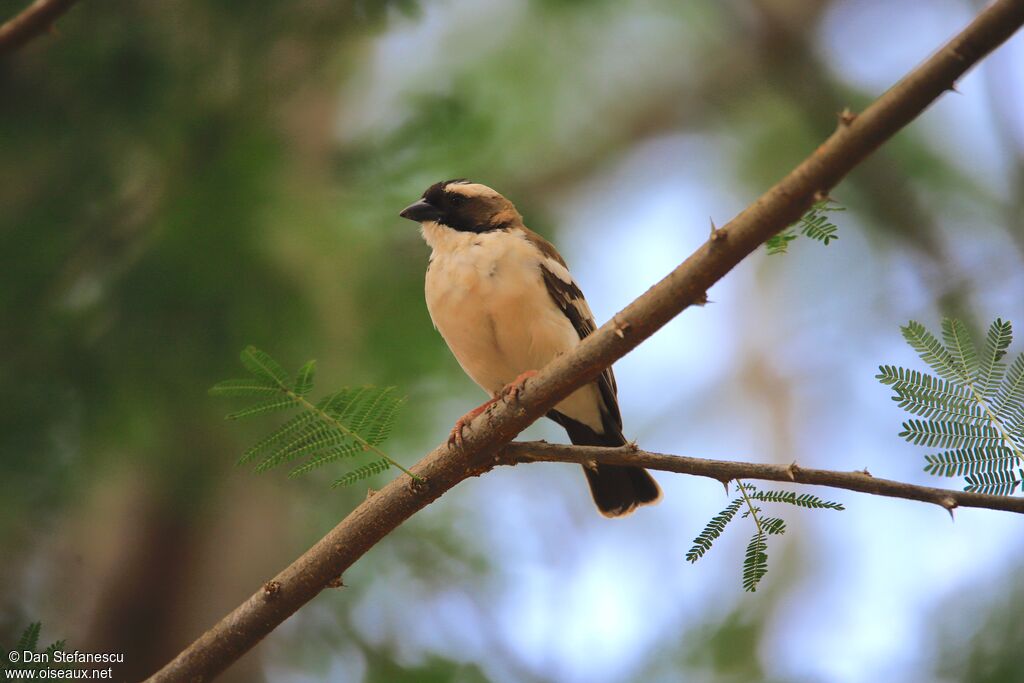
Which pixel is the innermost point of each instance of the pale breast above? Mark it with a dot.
(487, 298)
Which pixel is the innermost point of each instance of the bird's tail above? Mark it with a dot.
(617, 489)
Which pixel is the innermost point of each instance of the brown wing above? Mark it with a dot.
(569, 299)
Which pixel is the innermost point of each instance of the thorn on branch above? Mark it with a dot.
(864, 472)
(717, 234)
(632, 445)
(271, 589)
(847, 117)
(621, 327)
(336, 583)
(725, 483)
(369, 492)
(792, 471)
(701, 299)
(950, 505)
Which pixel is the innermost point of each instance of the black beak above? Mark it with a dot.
(421, 211)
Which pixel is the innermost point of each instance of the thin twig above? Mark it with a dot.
(750, 507)
(444, 467)
(35, 19)
(729, 470)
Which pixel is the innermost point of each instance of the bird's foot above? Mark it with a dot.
(513, 388)
(455, 438)
(510, 390)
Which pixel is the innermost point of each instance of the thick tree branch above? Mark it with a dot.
(728, 470)
(443, 468)
(33, 20)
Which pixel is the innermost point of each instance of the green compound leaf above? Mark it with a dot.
(755, 561)
(263, 366)
(713, 529)
(270, 406)
(29, 642)
(779, 244)
(1009, 398)
(244, 387)
(995, 483)
(344, 424)
(931, 351)
(29, 639)
(314, 436)
(949, 434)
(961, 347)
(327, 456)
(991, 369)
(973, 409)
(304, 378)
(288, 429)
(928, 396)
(363, 472)
(814, 224)
(960, 462)
(755, 564)
(804, 500)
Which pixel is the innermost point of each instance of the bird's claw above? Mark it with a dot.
(510, 391)
(455, 437)
(516, 386)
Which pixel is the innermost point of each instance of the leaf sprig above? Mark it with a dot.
(344, 424)
(814, 224)
(28, 642)
(972, 407)
(755, 561)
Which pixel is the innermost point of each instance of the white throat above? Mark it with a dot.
(443, 239)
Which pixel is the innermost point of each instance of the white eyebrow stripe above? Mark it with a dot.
(471, 190)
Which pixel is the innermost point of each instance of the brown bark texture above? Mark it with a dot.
(35, 19)
(855, 138)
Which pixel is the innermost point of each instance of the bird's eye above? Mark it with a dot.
(458, 200)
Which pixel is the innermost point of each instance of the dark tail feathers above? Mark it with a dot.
(617, 489)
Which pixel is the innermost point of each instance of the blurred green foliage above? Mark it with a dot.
(179, 179)
(988, 647)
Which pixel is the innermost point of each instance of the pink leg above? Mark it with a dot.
(510, 390)
(456, 436)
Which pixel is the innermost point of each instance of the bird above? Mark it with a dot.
(505, 303)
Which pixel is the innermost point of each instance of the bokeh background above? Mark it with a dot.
(179, 179)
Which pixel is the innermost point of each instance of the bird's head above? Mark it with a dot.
(463, 205)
